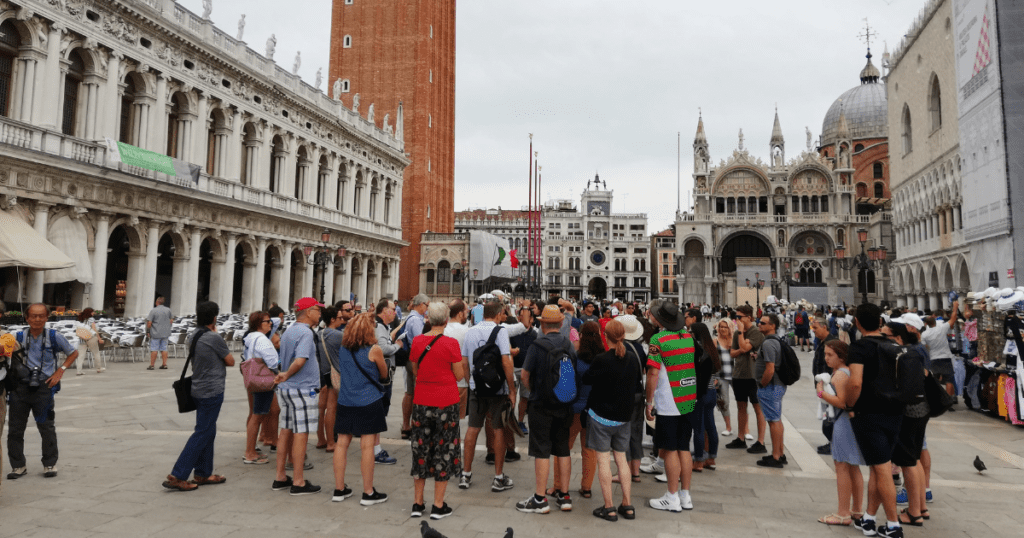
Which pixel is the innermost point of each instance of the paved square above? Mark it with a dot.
(120, 434)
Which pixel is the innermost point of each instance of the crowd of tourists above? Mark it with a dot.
(618, 378)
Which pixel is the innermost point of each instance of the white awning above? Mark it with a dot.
(21, 246)
(69, 236)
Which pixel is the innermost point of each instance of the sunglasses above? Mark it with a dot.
(762, 323)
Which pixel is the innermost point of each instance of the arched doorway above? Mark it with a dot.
(205, 271)
(238, 279)
(271, 268)
(118, 247)
(298, 261)
(598, 288)
(693, 268)
(165, 270)
(743, 246)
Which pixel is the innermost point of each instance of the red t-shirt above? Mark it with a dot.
(435, 382)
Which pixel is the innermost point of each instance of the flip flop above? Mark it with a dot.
(260, 460)
(836, 519)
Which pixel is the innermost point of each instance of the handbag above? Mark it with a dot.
(183, 386)
(939, 401)
(83, 332)
(256, 376)
(335, 374)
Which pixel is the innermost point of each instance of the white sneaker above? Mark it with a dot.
(668, 502)
(749, 437)
(661, 478)
(726, 433)
(685, 501)
(654, 467)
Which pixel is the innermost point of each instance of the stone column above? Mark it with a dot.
(187, 305)
(350, 191)
(284, 282)
(35, 278)
(199, 132)
(159, 119)
(248, 281)
(227, 276)
(112, 97)
(307, 282)
(328, 277)
(178, 281)
(51, 118)
(232, 153)
(99, 261)
(361, 285)
(149, 269)
(343, 280)
(133, 304)
(259, 276)
(28, 91)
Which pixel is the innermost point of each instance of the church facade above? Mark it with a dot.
(760, 228)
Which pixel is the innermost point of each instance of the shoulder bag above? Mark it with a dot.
(335, 374)
(256, 376)
(379, 383)
(183, 386)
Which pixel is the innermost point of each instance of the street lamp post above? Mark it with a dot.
(758, 285)
(872, 259)
(320, 257)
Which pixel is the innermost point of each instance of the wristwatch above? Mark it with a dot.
(63, 368)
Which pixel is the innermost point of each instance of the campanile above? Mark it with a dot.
(392, 51)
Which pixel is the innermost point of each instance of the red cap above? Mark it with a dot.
(306, 302)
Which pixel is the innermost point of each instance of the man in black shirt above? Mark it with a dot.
(875, 424)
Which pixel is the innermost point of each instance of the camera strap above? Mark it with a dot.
(48, 344)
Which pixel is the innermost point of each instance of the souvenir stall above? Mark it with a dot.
(993, 379)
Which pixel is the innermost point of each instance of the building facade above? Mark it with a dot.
(398, 57)
(664, 265)
(781, 221)
(591, 252)
(281, 161)
(513, 226)
(933, 257)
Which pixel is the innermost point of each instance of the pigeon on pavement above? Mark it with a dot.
(979, 465)
(508, 532)
(427, 532)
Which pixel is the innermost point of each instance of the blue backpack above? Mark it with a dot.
(561, 386)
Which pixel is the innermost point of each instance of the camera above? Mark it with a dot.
(36, 378)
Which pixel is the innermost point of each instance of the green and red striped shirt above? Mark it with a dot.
(675, 350)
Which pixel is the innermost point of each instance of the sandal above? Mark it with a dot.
(627, 511)
(259, 460)
(175, 484)
(836, 519)
(321, 447)
(924, 513)
(164, 367)
(208, 480)
(151, 368)
(585, 493)
(915, 521)
(606, 513)
(636, 478)
(406, 434)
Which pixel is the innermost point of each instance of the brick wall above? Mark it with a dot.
(404, 51)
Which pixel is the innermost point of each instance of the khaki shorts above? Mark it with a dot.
(482, 408)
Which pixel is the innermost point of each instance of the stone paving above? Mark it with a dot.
(120, 433)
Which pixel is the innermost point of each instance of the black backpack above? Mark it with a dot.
(488, 371)
(900, 380)
(560, 387)
(788, 367)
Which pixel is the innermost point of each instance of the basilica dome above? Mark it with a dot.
(867, 114)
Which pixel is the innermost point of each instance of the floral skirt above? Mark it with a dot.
(436, 449)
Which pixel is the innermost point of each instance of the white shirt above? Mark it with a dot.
(935, 340)
(664, 403)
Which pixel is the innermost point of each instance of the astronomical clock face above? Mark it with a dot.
(597, 258)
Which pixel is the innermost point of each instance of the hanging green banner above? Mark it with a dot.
(150, 160)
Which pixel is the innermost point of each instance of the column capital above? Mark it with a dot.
(41, 206)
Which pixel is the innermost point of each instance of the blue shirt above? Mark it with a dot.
(478, 313)
(356, 390)
(40, 351)
(413, 326)
(296, 343)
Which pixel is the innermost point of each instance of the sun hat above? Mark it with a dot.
(632, 325)
(306, 302)
(669, 316)
(551, 314)
(913, 320)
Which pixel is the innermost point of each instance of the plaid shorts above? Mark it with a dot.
(298, 410)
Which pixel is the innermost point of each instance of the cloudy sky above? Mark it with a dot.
(605, 86)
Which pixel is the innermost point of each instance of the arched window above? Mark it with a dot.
(796, 204)
(751, 205)
(9, 43)
(342, 184)
(444, 278)
(840, 236)
(731, 204)
(636, 265)
(935, 103)
(643, 265)
(664, 286)
(907, 132)
(879, 172)
(824, 204)
(814, 204)
(810, 272)
(805, 204)
(741, 205)
(879, 190)
(72, 82)
(277, 155)
(431, 281)
(866, 280)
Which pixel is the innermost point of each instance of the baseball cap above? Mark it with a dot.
(306, 302)
(913, 320)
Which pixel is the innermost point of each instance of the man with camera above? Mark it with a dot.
(37, 376)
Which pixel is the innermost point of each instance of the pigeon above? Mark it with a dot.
(979, 465)
(428, 532)
(508, 532)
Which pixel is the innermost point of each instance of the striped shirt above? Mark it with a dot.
(678, 378)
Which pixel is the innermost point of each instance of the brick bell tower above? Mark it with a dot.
(393, 51)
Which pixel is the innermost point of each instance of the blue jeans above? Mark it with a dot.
(710, 429)
(703, 418)
(198, 452)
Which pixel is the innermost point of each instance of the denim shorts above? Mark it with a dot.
(158, 344)
(771, 401)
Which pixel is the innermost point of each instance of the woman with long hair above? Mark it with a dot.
(612, 376)
(360, 405)
(723, 343)
(703, 417)
(84, 325)
(257, 346)
(707, 365)
(591, 346)
(845, 451)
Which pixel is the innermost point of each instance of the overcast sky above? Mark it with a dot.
(605, 85)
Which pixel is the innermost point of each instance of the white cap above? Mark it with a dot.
(913, 320)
